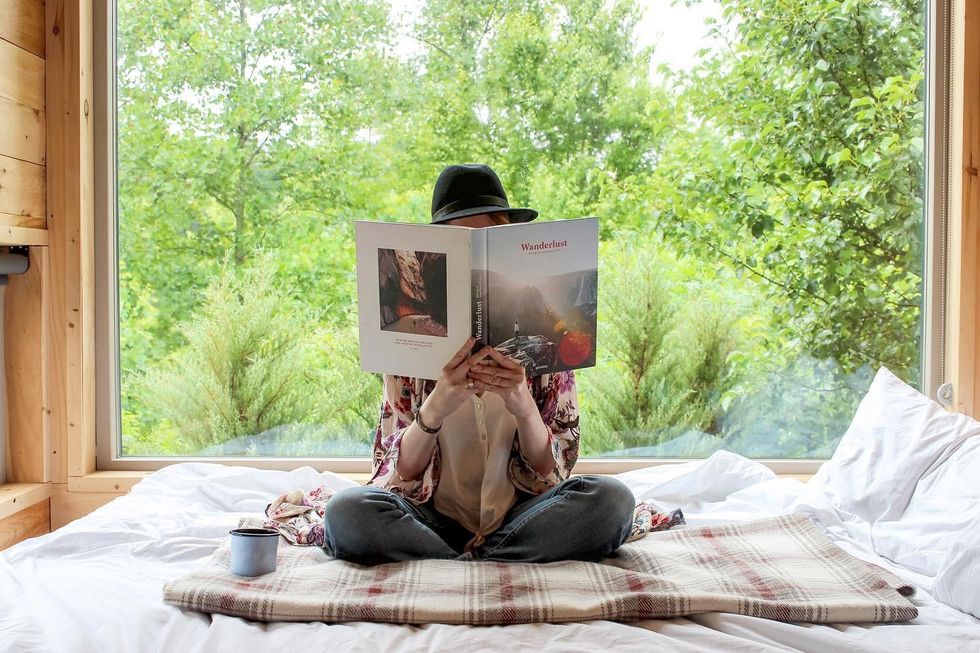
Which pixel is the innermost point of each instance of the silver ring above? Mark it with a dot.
(470, 386)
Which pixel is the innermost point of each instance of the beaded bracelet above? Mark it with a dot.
(418, 420)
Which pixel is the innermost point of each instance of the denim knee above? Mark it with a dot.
(350, 503)
(611, 499)
(347, 515)
(609, 490)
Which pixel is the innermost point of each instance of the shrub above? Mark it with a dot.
(249, 363)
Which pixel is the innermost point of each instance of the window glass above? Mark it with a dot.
(757, 168)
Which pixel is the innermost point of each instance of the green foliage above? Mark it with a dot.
(664, 355)
(238, 128)
(248, 365)
(350, 398)
(802, 167)
(772, 196)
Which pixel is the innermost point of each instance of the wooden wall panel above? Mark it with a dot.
(21, 235)
(22, 133)
(22, 121)
(964, 291)
(21, 75)
(22, 23)
(22, 188)
(23, 222)
(30, 522)
(23, 199)
(14, 497)
(71, 227)
(28, 441)
(67, 506)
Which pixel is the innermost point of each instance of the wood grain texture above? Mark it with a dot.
(57, 437)
(23, 221)
(21, 75)
(22, 235)
(22, 23)
(29, 442)
(970, 294)
(21, 132)
(964, 246)
(30, 522)
(70, 220)
(22, 187)
(105, 481)
(67, 506)
(14, 497)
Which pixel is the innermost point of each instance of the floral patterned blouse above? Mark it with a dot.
(557, 401)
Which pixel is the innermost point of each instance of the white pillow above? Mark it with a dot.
(896, 437)
(958, 581)
(943, 509)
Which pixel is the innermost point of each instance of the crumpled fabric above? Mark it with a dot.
(298, 516)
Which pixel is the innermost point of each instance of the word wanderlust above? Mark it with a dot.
(527, 247)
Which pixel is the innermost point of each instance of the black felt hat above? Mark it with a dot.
(470, 189)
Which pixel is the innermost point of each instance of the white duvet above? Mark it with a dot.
(95, 584)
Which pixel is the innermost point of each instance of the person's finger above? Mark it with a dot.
(504, 361)
(460, 355)
(483, 377)
(508, 376)
(477, 357)
(483, 386)
(488, 363)
(504, 375)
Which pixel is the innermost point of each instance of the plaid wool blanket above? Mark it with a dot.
(781, 568)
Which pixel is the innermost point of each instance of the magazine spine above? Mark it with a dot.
(478, 267)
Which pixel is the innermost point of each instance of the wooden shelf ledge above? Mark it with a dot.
(15, 497)
(22, 235)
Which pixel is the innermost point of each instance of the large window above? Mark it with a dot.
(757, 168)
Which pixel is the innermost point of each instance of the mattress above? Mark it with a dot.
(96, 583)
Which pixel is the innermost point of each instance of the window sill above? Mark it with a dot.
(122, 481)
(116, 481)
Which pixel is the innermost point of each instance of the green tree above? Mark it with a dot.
(250, 363)
(550, 92)
(239, 120)
(801, 165)
(664, 352)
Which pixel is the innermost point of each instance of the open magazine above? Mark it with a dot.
(528, 289)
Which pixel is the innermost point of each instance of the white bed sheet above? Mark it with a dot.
(95, 584)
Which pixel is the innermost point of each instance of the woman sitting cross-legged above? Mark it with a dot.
(476, 465)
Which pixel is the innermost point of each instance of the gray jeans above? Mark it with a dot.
(583, 518)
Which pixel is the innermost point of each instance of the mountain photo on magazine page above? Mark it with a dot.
(547, 322)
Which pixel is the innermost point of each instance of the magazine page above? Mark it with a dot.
(413, 293)
(542, 280)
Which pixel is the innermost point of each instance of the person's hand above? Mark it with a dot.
(506, 377)
(453, 386)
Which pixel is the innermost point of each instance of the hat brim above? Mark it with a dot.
(514, 214)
